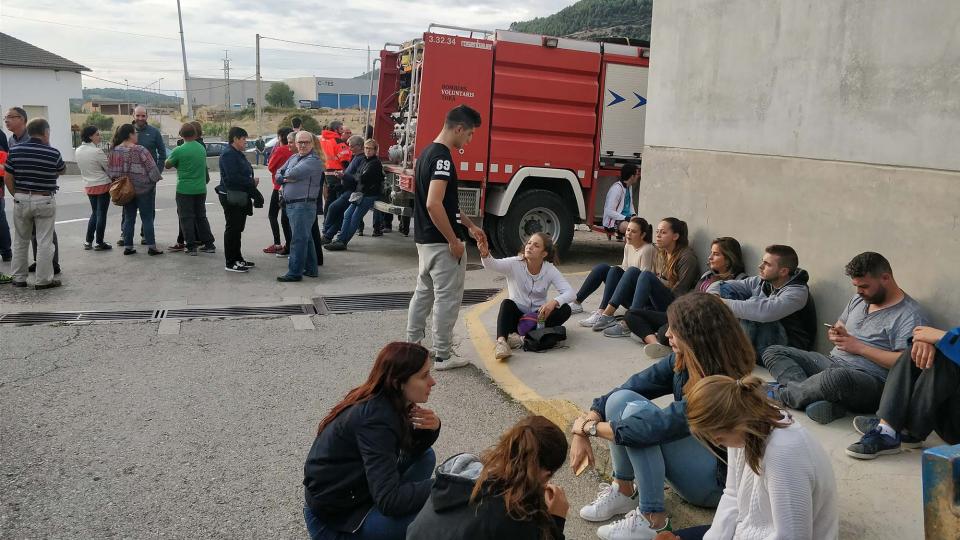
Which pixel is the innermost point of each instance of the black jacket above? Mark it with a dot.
(353, 466)
(448, 514)
(371, 177)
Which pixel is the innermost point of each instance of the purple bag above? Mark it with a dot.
(527, 323)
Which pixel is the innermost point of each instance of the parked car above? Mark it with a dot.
(215, 148)
(270, 142)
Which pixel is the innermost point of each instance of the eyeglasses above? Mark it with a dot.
(304, 142)
(11, 116)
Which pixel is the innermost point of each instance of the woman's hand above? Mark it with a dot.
(484, 248)
(580, 452)
(424, 418)
(556, 500)
(547, 309)
(928, 334)
(923, 354)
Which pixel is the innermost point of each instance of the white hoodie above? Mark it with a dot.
(529, 291)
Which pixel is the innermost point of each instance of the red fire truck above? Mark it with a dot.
(560, 117)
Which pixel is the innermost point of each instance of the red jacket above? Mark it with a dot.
(278, 157)
(335, 152)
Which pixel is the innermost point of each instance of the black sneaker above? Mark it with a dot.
(235, 267)
(120, 242)
(53, 284)
(248, 264)
(874, 444)
(129, 251)
(153, 252)
(88, 245)
(208, 248)
(824, 412)
(102, 246)
(288, 279)
(335, 246)
(324, 240)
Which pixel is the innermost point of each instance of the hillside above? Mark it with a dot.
(595, 20)
(134, 96)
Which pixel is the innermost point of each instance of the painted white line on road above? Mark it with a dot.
(71, 221)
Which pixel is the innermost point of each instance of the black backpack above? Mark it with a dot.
(541, 339)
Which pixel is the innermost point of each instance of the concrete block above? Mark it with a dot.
(941, 492)
(169, 327)
(302, 322)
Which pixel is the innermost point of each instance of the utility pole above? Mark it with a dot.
(226, 79)
(259, 103)
(186, 74)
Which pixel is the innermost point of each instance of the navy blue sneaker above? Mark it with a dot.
(874, 444)
(866, 424)
(824, 412)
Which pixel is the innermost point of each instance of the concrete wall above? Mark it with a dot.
(829, 126)
(212, 92)
(24, 87)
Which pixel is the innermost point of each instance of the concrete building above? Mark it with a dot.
(43, 84)
(212, 92)
(110, 106)
(333, 93)
(829, 126)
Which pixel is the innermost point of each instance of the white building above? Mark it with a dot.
(43, 84)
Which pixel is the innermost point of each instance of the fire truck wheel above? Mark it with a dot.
(536, 210)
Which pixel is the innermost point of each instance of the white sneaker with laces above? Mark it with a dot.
(592, 319)
(515, 341)
(575, 307)
(632, 527)
(609, 502)
(450, 363)
(655, 351)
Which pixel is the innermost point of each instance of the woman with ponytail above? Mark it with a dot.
(674, 274)
(505, 494)
(368, 472)
(779, 480)
(649, 444)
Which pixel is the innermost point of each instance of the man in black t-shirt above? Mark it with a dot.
(443, 262)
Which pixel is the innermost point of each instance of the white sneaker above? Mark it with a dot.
(575, 308)
(501, 351)
(656, 351)
(450, 363)
(515, 341)
(592, 319)
(610, 502)
(632, 527)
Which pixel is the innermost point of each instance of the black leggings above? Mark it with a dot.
(276, 224)
(646, 322)
(510, 315)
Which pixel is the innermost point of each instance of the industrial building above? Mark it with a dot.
(327, 92)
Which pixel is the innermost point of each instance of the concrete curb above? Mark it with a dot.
(560, 411)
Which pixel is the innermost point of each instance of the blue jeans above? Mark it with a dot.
(146, 205)
(689, 466)
(354, 216)
(602, 274)
(639, 289)
(5, 245)
(761, 335)
(99, 204)
(333, 220)
(377, 526)
(303, 251)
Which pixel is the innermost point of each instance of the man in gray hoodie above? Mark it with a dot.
(774, 307)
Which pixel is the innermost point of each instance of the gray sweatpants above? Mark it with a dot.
(440, 288)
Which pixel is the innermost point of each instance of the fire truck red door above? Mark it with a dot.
(457, 71)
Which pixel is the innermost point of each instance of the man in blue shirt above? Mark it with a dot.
(149, 137)
(31, 174)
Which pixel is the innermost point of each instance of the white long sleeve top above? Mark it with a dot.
(642, 258)
(613, 205)
(529, 291)
(794, 496)
(93, 164)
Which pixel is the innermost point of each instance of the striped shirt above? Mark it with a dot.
(35, 166)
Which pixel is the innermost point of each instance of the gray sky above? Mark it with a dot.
(99, 34)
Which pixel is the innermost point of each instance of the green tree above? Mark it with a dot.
(309, 123)
(279, 95)
(103, 122)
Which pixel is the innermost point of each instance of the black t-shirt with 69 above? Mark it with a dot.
(435, 163)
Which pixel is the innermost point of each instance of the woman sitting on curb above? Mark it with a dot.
(675, 273)
(505, 494)
(638, 252)
(725, 262)
(368, 472)
(648, 444)
(780, 483)
(529, 277)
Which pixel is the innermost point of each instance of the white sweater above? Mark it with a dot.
(641, 258)
(794, 497)
(93, 165)
(529, 291)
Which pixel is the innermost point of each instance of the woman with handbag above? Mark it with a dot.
(237, 187)
(133, 162)
(529, 276)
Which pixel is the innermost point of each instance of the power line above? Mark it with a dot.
(167, 89)
(314, 44)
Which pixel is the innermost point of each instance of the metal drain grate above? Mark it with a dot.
(350, 303)
(41, 317)
(240, 311)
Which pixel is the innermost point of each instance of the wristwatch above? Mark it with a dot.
(592, 430)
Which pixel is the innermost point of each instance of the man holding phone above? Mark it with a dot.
(441, 253)
(873, 330)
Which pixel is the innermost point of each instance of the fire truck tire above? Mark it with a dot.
(490, 227)
(535, 210)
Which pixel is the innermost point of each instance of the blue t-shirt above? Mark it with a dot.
(889, 329)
